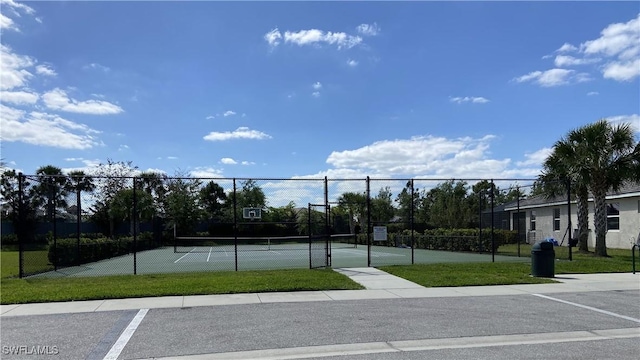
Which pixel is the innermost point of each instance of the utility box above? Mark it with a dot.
(543, 258)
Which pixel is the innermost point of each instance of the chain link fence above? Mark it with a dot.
(91, 226)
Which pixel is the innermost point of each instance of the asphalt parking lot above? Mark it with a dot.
(560, 324)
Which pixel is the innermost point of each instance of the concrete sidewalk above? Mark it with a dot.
(378, 284)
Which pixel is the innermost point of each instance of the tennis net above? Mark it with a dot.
(191, 244)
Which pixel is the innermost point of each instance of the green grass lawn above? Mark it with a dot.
(14, 290)
(128, 286)
(8, 264)
(430, 275)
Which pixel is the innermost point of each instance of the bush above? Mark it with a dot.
(70, 251)
(464, 240)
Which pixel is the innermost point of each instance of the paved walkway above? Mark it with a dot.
(378, 284)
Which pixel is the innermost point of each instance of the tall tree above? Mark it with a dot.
(79, 183)
(52, 189)
(562, 169)
(382, 210)
(21, 205)
(354, 204)
(212, 199)
(182, 204)
(605, 157)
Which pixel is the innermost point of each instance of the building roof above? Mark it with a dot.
(628, 190)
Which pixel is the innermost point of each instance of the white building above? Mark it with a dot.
(542, 218)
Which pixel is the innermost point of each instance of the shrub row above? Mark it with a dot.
(70, 251)
(463, 240)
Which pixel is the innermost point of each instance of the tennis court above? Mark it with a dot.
(264, 256)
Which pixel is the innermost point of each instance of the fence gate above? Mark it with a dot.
(319, 236)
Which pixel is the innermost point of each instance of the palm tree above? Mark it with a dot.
(603, 157)
(612, 157)
(78, 183)
(558, 173)
(52, 187)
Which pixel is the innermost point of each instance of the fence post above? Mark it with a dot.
(493, 244)
(134, 219)
(21, 221)
(78, 223)
(518, 218)
(480, 197)
(569, 217)
(411, 226)
(235, 223)
(368, 205)
(52, 209)
(327, 217)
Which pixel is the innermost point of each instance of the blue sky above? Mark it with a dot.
(311, 89)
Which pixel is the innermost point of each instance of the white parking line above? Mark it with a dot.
(122, 341)
(588, 308)
(210, 250)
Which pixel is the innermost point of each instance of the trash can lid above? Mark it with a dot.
(542, 246)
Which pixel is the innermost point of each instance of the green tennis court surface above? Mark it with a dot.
(165, 260)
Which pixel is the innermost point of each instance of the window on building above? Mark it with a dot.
(556, 219)
(532, 220)
(613, 216)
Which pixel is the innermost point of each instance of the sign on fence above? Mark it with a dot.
(379, 233)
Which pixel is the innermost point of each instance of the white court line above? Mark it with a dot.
(184, 255)
(589, 308)
(210, 250)
(126, 335)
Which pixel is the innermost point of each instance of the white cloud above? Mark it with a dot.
(317, 86)
(312, 37)
(45, 70)
(18, 97)
(554, 77)
(57, 99)
(566, 47)
(622, 70)
(536, 158)
(315, 94)
(472, 99)
(368, 29)
(96, 66)
(123, 147)
(633, 120)
(206, 172)
(618, 47)
(352, 63)
(43, 129)
(7, 23)
(210, 117)
(592, 93)
(273, 37)
(428, 155)
(620, 42)
(566, 60)
(172, 158)
(228, 113)
(247, 163)
(239, 133)
(228, 161)
(13, 67)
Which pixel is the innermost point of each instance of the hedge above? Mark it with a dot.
(65, 251)
(463, 240)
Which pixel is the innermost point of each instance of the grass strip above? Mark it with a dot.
(17, 291)
(469, 274)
